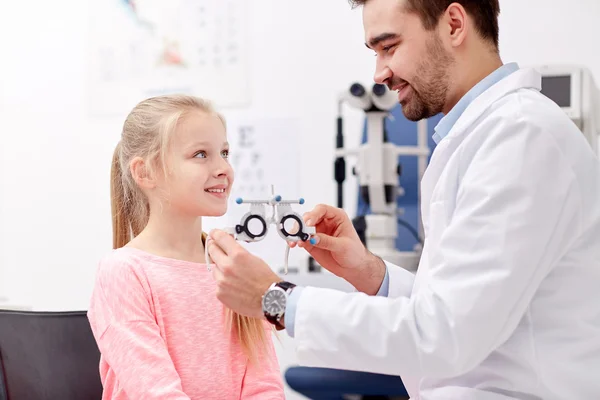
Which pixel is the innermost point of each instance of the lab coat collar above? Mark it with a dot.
(521, 79)
(526, 78)
(445, 125)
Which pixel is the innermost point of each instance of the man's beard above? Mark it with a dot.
(429, 87)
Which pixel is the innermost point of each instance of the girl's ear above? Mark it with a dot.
(141, 173)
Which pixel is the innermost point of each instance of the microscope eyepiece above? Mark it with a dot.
(357, 90)
(379, 89)
(383, 98)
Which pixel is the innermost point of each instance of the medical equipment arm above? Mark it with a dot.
(378, 170)
(516, 210)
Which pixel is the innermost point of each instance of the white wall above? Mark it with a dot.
(55, 216)
(54, 203)
(55, 159)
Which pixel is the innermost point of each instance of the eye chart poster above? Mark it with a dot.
(144, 48)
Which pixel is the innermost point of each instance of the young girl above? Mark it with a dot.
(161, 331)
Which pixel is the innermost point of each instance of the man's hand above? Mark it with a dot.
(242, 279)
(340, 250)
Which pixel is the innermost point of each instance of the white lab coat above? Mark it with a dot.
(506, 300)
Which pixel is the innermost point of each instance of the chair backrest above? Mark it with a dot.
(48, 355)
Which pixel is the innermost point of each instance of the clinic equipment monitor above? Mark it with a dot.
(573, 89)
(558, 88)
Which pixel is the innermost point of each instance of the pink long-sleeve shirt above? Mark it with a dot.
(161, 333)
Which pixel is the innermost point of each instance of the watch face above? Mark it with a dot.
(274, 302)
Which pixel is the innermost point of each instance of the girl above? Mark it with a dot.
(160, 329)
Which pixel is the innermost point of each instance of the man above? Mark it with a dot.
(506, 300)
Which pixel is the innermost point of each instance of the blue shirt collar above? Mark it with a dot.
(445, 125)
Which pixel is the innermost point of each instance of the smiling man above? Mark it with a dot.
(505, 303)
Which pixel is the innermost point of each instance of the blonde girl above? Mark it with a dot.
(161, 331)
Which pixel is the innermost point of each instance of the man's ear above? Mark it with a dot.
(456, 22)
(141, 173)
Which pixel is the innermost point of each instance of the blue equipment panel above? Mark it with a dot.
(403, 132)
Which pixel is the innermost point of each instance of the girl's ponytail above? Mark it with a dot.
(121, 218)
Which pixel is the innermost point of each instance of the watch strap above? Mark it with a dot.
(275, 321)
(285, 285)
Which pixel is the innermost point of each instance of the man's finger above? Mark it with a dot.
(215, 253)
(217, 274)
(224, 240)
(214, 250)
(326, 242)
(309, 244)
(304, 245)
(316, 215)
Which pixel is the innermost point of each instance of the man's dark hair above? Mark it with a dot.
(484, 13)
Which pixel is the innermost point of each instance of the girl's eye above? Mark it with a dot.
(200, 154)
(225, 154)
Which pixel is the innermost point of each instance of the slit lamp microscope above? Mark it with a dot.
(378, 171)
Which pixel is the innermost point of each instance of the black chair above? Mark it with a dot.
(48, 356)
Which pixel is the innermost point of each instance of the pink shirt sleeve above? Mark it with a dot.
(262, 380)
(128, 337)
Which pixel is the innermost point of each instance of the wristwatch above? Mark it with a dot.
(274, 302)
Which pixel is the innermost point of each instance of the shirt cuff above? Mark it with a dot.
(385, 285)
(290, 310)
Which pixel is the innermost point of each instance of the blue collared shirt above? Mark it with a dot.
(441, 131)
